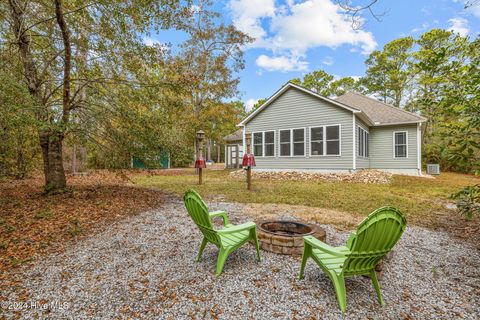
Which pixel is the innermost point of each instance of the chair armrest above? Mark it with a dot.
(322, 246)
(351, 240)
(222, 214)
(240, 227)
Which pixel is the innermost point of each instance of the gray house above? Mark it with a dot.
(298, 129)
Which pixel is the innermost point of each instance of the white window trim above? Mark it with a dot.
(274, 144)
(325, 141)
(263, 143)
(253, 143)
(280, 143)
(406, 143)
(358, 143)
(292, 143)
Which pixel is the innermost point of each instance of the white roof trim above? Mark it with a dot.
(285, 88)
(376, 124)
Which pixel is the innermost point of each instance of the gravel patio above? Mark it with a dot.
(143, 267)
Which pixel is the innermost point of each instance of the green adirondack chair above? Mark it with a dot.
(374, 238)
(227, 239)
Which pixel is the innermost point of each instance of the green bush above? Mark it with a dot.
(468, 201)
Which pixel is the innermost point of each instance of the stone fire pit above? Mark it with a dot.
(285, 237)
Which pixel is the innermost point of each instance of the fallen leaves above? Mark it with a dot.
(32, 224)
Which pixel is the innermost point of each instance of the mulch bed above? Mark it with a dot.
(32, 224)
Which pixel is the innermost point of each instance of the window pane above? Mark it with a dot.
(400, 138)
(333, 147)
(285, 149)
(269, 137)
(333, 132)
(317, 148)
(257, 138)
(285, 136)
(317, 134)
(269, 150)
(298, 149)
(360, 142)
(257, 150)
(298, 134)
(401, 151)
(366, 145)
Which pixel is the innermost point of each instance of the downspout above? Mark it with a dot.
(419, 148)
(354, 143)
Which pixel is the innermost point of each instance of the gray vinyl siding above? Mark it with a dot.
(381, 148)
(362, 163)
(296, 109)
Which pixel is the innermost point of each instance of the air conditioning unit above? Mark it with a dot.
(433, 168)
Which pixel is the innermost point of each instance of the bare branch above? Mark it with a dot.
(355, 11)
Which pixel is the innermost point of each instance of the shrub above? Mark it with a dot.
(468, 201)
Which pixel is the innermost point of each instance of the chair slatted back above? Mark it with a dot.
(198, 211)
(375, 237)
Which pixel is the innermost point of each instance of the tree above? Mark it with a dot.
(318, 81)
(209, 62)
(344, 85)
(47, 38)
(388, 71)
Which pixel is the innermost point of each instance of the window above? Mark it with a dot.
(362, 140)
(298, 142)
(400, 144)
(269, 143)
(316, 141)
(285, 142)
(258, 144)
(325, 141)
(332, 140)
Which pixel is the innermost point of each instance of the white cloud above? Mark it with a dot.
(281, 63)
(459, 25)
(247, 15)
(291, 29)
(327, 61)
(250, 103)
(424, 26)
(475, 10)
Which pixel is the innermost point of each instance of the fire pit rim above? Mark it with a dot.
(261, 223)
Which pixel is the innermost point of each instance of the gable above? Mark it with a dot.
(289, 86)
(294, 108)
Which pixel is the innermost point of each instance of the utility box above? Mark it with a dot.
(433, 169)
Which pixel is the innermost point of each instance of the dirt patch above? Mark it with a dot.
(341, 220)
(361, 176)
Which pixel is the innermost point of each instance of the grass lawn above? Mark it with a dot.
(422, 200)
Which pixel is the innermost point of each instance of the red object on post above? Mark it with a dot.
(200, 163)
(248, 160)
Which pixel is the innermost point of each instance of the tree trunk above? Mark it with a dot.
(218, 153)
(51, 145)
(209, 149)
(50, 139)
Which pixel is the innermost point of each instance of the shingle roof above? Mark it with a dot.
(379, 112)
(236, 136)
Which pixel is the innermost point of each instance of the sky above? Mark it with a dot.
(294, 37)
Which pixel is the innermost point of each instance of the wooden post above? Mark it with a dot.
(200, 170)
(200, 135)
(249, 168)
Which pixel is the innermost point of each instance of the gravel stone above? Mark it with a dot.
(144, 267)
